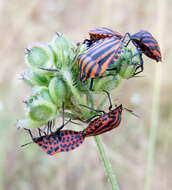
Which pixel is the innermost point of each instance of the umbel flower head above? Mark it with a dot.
(53, 76)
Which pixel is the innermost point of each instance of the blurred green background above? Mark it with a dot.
(23, 22)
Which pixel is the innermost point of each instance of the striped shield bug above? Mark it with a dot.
(144, 43)
(100, 33)
(105, 47)
(58, 141)
(147, 44)
(98, 58)
(103, 121)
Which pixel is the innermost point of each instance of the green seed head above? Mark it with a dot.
(41, 111)
(64, 51)
(58, 91)
(32, 79)
(39, 56)
(39, 106)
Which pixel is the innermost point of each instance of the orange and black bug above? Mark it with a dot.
(145, 43)
(104, 121)
(99, 57)
(58, 141)
(100, 33)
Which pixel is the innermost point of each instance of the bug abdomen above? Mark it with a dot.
(67, 140)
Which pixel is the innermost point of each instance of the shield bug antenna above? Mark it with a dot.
(132, 112)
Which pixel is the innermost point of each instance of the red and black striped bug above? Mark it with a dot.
(145, 43)
(100, 33)
(104, 121)
(100, 54)
(98, 58)
(58, 141)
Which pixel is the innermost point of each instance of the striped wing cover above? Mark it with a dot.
(99, 57)
(104, 123)
(148, 45)
(102, 32)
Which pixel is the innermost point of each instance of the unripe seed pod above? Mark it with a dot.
(64, 50)
(32, 79)
(42, 111)
(39, 106)
(58, 90)
(39, 56)
(40, 79)
(43, 92)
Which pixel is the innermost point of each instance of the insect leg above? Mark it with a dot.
(49, 127)
(39, 130)
(141, 62)
(98, 111)
(91, 85)
(63, 124)
(30, 133)
(123, 39)
(112, 69)
(110, 102)
(52, 125)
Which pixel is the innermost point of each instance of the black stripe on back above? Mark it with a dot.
(99, 53)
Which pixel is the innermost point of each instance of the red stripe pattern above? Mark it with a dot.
(103, 32)
(99, 57)
(106, 122)
(148, 45)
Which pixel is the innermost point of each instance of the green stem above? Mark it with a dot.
(106, 163)
(103, 155)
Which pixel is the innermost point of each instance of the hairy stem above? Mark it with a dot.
(103, 155)
(106, 163)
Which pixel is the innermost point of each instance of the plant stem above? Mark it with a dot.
(103, 155)
(106, 163)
